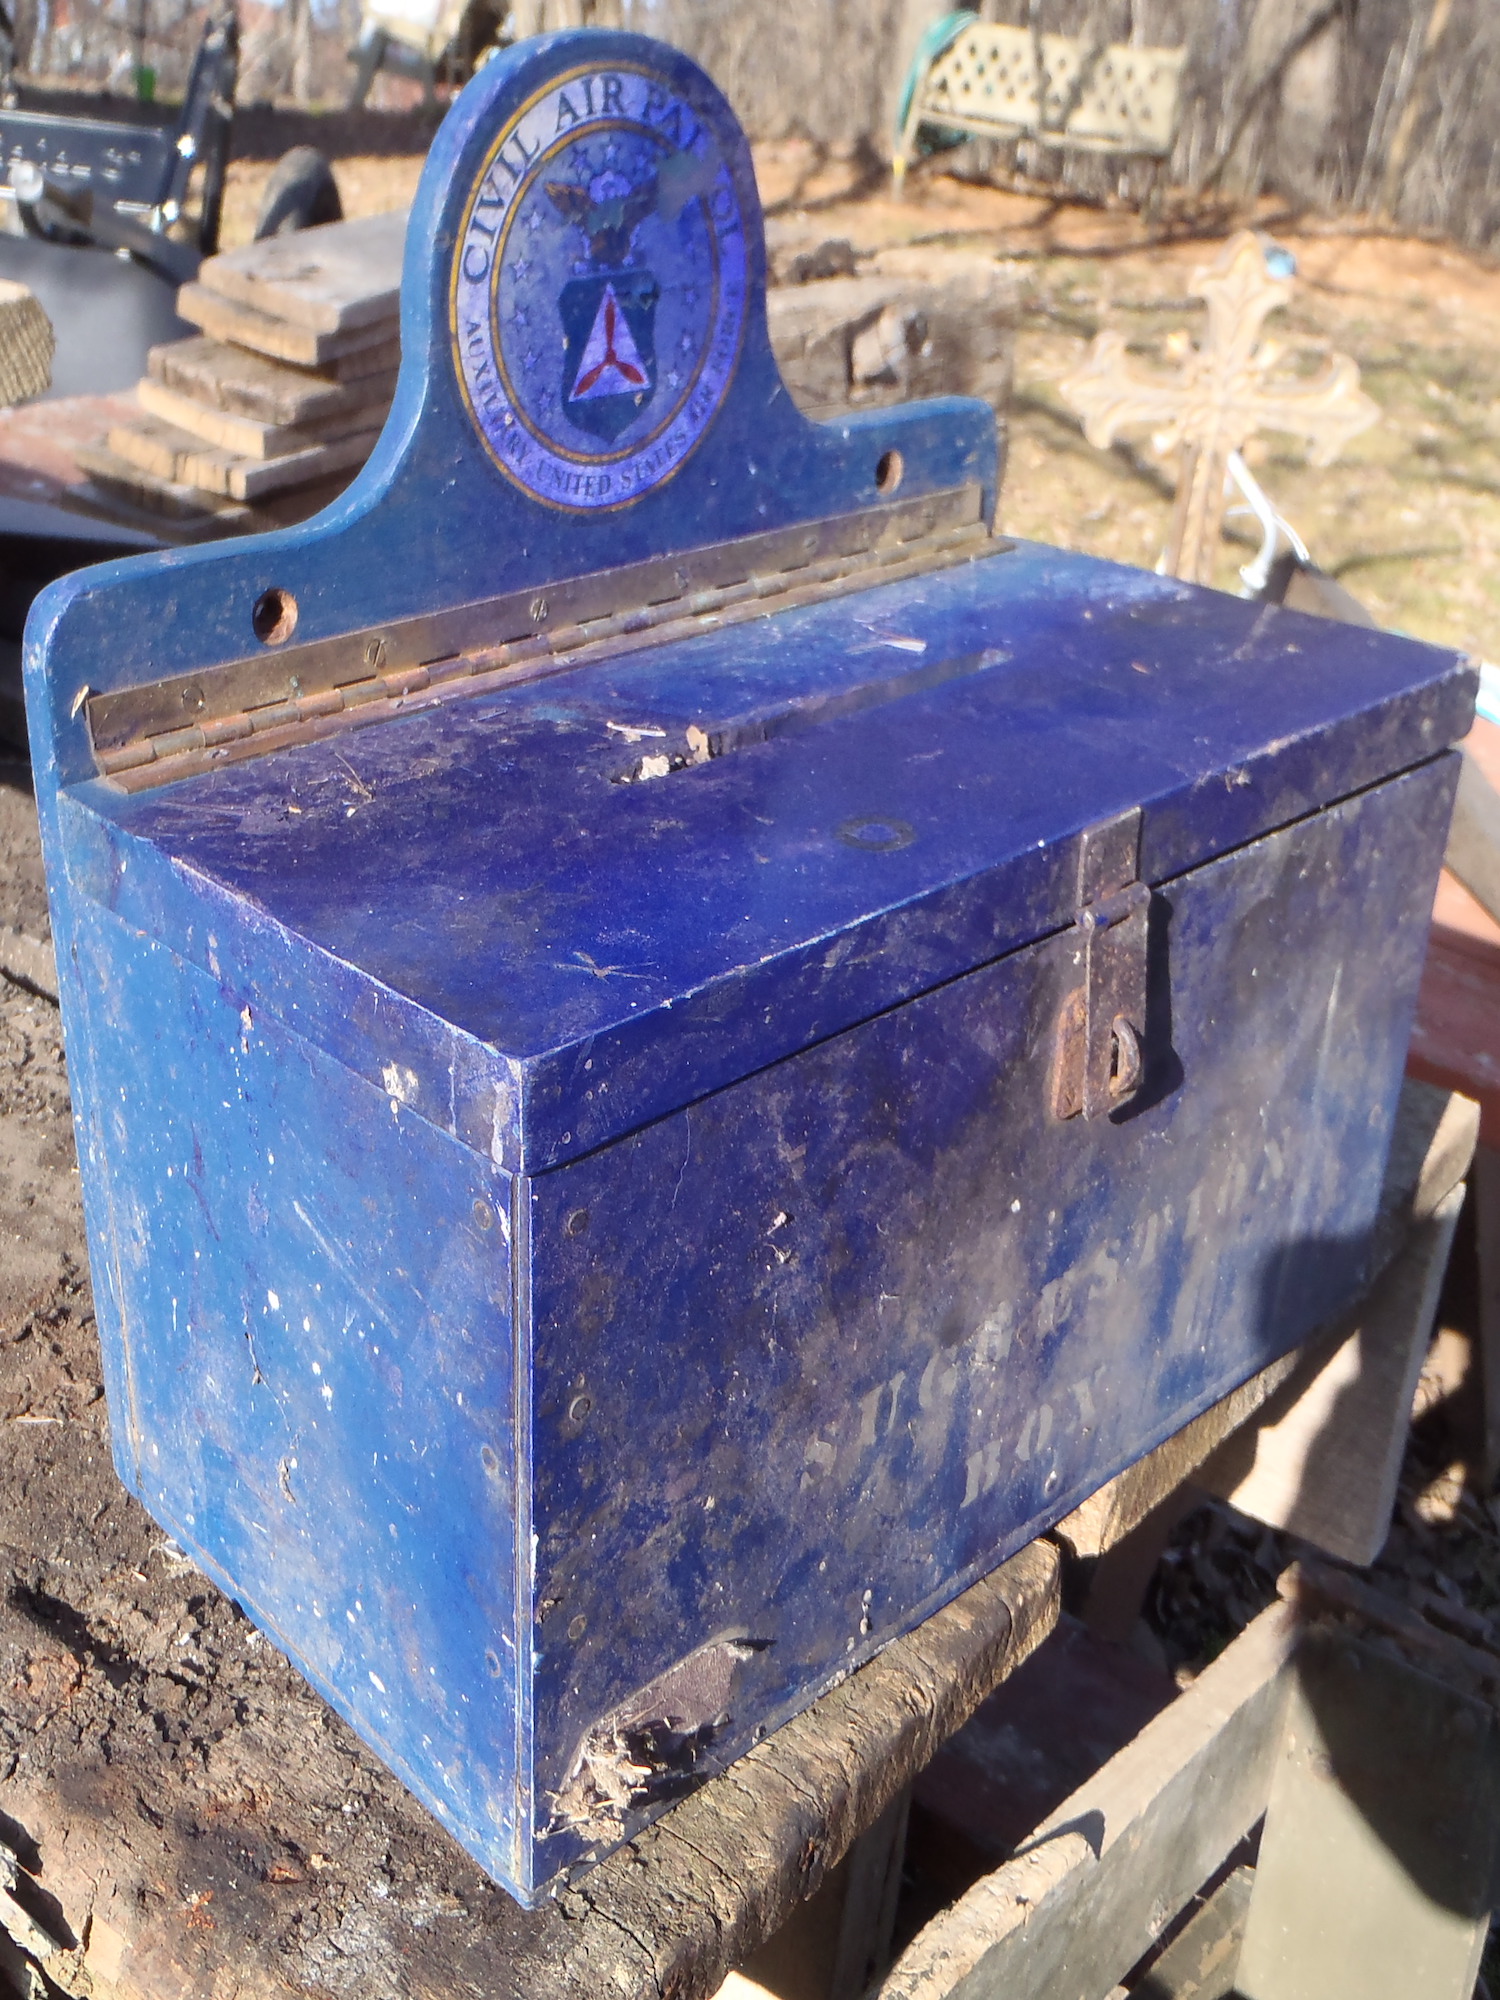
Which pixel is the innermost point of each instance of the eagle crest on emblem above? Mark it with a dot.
(609, 310)
(608, 210)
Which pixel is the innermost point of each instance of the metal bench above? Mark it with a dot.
(997, 82)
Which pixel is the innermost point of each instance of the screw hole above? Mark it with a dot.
(876, 836)
(274, 617)
(489, 1458)
(492, 1662)
(888, 471)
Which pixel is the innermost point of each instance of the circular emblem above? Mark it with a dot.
(599, 288)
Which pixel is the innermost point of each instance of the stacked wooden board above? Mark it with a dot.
(282, 395)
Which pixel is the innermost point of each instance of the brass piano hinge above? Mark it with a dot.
(145, 736)
(1099, 1060)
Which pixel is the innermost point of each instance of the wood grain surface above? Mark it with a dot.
(242, 384)
(331, 279)
(176, 455)
(264, 333)
(247, 437)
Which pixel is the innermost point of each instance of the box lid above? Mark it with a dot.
(543, 911)
(899, 784)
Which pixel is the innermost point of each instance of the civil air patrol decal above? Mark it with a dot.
(599, 288)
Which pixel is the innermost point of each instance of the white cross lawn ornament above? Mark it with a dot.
(1228, 388)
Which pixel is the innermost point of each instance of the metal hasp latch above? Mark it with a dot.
(1099, 1062)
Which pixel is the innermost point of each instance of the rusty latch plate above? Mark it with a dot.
(1099, 1063)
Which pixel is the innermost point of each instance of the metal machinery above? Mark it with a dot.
(91, 204)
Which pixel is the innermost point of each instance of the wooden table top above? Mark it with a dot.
(37, 440)
(1456, 1038)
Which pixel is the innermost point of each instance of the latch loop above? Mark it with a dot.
(1100, 1062)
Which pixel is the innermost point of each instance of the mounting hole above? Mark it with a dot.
(274, 617)
(888, 472)
(877, 836)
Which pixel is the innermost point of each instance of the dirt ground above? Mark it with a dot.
(1408, 517)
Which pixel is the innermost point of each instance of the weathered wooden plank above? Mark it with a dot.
(332, 279)
(259, 479)
(1474, 838)
(285, 1824)
(181, 514)
(174, 455)
(382, 357)
(833, 1946)
(1377, 1861)
(1331, 1597)
(800, 1799)
(178, 503)
(1486, 1184)
(160, 449)
(242, 384)
(1430, 1153)
(1098, 1881)
(1199, 1963)
(1322, 1458)
(247, 437)
(247, 326)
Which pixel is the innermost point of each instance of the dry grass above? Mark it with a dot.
(1408, 518)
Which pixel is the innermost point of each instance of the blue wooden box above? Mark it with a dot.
(675, 1046)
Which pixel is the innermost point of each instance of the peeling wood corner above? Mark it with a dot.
(656, 1745)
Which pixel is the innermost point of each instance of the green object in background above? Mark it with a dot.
(145, 83)
(938, 39)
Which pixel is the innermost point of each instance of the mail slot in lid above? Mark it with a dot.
(677, 1045)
